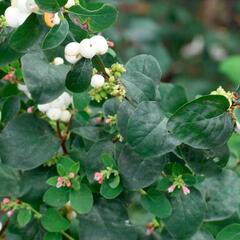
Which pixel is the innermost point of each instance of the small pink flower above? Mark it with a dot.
(108, 120)
(30, 110)
(185, 190)
(98, 120)
(6, 201)
(68, 184)
(171, 188)
(10, 213)
(150, 229)
(9, 76)
(98, 177)
(111, 44)
(59, 182)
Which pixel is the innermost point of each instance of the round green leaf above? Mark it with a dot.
(51, 6)
(27, 34)
(79, 78)
(53, 221)
(56, 35)
(82, 199)
(156, 203)
(52, 236)
(24, 216)
(187, 215)
(27, 142)
(56, 197)
(147, 133)
(97, 19)
(108, 192)
(231, 232)
(45, 81)
(203, 123)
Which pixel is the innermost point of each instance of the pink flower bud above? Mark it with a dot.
(59, 182)
(98, 120)
(71, 175)
(111, 44)
(10, 213)
(68, 184)
(98, 177)
(171, 188)
(150, 229)
(108, 120)
(6, 201)
(185, 190)
(30, 110)
(9, 76)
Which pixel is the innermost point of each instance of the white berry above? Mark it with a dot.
(73, 59)
(21, 5)
(100, 44)
(70, 3)
(67, 99)
(32, 6)
(12, 15)
(87, 49)
(65, 116)
(22, 18)
(58, 61)
(43, 107)
(97, 81)
(54, 113)
(56, 19)
(72, 52)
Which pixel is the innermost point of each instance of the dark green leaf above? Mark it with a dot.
(52, 236)
(27, 142)
(231, 232)
(79, 78)
(51, 5)
(108, 192)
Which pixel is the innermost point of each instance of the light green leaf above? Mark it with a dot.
(231, 232)
(24, 217)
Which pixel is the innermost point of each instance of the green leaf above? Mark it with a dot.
(79, 78)
(218, 192)
(10, 108)
(230, 67)
(111, 106)
(27, 142)
(97, 19)
(26, 35)
(60, 170)
(101, 223)
(53, 221)
(156, 203)
(231, 232)
(187, 215)
(52, 236)
(68, 164)
(56, 197)
(51, 6)
(24, 217)
(52, 181)
(82, 199)
(10, 181)
(81, 100)
(114, 181)
(56, 35)
(7, 54)
(147, 133)
(203, 123)
(108, 160)
(108, 192)
(137, 172)
(147, 65)
(46, 81)
(139, 86)
(172, 97)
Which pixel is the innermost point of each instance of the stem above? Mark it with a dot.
(67, 236)
(62, 139)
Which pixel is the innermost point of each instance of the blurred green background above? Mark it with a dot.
(196, 42)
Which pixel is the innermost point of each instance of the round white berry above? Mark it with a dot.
(22, 18)
(67, 99)
(97, 81)
(87, 49)
(73, 59)
(43, 107)
(12, 15)
(100, 44)
(71, 215)
(70, 3)
(58, 61)
(65, 116)
(56, 19)
(54, 113)
(21, 5)
(58, 103)
(32, 6)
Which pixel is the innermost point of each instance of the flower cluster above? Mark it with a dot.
(178, 182)
(9, 206)
(87, 48)
(19, 11)
(110, 87)
(105, 174)
(151, 227)
(229, 95)
(57, 109)
(65, 181)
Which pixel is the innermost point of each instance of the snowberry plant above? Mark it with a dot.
(93, 149)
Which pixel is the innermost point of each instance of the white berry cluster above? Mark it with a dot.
(19, 11)
(87, 48)
(57, 109)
